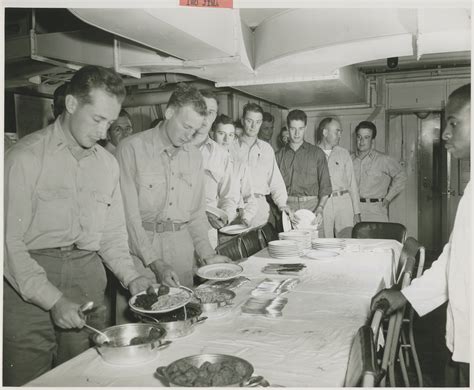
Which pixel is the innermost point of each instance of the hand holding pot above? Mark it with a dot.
(65, 314)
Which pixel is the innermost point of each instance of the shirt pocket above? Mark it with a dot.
(54, 209)
(101, 204)
(151, 191)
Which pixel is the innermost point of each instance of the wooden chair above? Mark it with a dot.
(231, 248)
(362, 365)
(383, 230)
(269, 233)
(251, 242)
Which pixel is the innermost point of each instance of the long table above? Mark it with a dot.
(308, 346)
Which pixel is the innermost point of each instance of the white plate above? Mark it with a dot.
(234, 229)
(285, 220)
(177, 297)
(315, 254)
(306, 216)
(217, 212)
(283, 243)
(220, 271)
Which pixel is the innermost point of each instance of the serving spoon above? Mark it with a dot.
(85, 307)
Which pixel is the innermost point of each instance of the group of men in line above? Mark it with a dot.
(71, 206)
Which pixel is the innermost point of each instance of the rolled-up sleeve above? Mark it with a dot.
(26, 276)
(140, 244)
(198, 224)
(114, 248)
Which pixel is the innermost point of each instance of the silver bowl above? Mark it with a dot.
(120, 350)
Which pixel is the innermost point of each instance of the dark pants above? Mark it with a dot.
(32, 344)
(456, 374)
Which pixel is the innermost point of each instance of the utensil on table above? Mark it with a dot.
(86, 307)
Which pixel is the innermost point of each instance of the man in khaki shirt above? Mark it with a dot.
(63, 208)
(380, 178)
(120, 129)
(342, 209)
(162, 182)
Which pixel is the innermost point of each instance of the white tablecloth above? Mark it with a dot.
(307, 346)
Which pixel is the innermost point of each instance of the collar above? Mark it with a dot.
(304, 145)
(62, 139)
(371, 154)
(162, 142)
(258, 143)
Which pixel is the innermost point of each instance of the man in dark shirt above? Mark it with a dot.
(304, 169)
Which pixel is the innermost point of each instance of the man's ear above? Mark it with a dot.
(169, 112)
(325, 132)
(71, 104)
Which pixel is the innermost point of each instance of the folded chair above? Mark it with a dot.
(269, 233)
(383, 230)
(412, 248)
(251, 242)
(231, 248)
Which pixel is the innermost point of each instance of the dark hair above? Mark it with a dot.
(462, 94)
(208, 94)
(91, 77)
(367, 125)
(124, 113)
(267, 117)
(296, 115)
(155, 121)
(222, 119)
(253, 107)
(322, 125)
(187, 95)
(238, 124)
(59, 100)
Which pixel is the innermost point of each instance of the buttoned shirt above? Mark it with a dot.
(161, 183)
(448, 279)
(342, 174)
(378, 175)
(243, 187)
(218, 178)
(57, 195)
(265, 175)
(305, 171)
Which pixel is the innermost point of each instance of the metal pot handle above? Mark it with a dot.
(160, 345)
(256, 381)
(200, 320)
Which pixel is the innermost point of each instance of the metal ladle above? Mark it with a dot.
(85, 307)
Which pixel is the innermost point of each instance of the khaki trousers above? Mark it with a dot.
(338, 216)
(373, 212)
(32, 344)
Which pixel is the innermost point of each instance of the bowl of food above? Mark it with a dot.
(213, 298)
(130, 344)
(209, 370)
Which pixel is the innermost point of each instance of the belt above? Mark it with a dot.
(301, 198)
(163, 226)
(371, 200)
(339, 193)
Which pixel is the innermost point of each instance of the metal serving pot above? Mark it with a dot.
(176, 323)
(246, 378)
(131, 343)
(214, 307)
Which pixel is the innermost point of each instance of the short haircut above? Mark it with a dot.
(367, 125)
(92, 77)
(322, 125)
(238, 124)
(124, 113)
(208, 94)
(462, 95)
(267, 117)
(187, 95)
(59, 100)
(253, 107)
(222, 119)
(296, 115)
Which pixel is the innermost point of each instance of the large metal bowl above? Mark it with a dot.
(197, 360)
(120, 351)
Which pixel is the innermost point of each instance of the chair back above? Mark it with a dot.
(269, 233)
(362, 368)
(231, 248)
(411, 247)
(382, 230)
(251, 242)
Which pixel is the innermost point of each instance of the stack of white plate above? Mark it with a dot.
(281, 249)
(328, 244)
(312, 231)
(303, 238)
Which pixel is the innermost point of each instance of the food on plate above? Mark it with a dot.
(209, 374)
(213, 295)
(158, 299)
(146, 300)
(222, 273)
